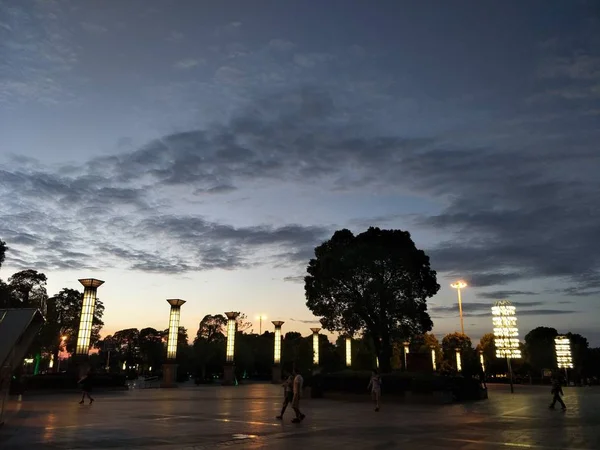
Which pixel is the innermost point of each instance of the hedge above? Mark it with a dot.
(50, 381)
(399, 383)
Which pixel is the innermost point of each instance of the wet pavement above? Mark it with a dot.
(244, 417)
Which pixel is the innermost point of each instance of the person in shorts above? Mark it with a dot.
(288, 394)
(297, 393)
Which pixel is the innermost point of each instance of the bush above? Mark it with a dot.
(356, 382)
(68, 381)
(398, 383)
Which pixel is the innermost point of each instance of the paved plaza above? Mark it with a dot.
(243, 417)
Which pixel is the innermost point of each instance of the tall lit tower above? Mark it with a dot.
(228, 369)
(348, 351)
(174, 317)
(170, 366)
(506, 334)
(90, 289)
(562, 346)
(277, 352)
(315, 345)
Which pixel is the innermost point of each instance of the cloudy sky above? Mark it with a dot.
(201, 149)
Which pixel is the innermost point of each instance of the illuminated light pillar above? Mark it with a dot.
(564, 360)
(482, 361)
(506, 334)
(460, 284)
(277, 352)
(90, 289)
(170, 367)
(348, 351)
(433, 362)
(406, 352)
(458, 361)
(229, 368)
(315, 345)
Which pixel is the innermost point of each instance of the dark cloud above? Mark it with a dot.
(309, 322)
(533, 312)
(472, 308)
(500, 295)
(515, 208)
(294, 279)
(219, 189)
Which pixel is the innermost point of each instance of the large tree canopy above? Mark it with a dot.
(62, 319)
(377, 282)
(211, 327)
(29, 288)
(540, 348)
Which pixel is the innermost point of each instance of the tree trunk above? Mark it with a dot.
(385, 359)
(55, 353)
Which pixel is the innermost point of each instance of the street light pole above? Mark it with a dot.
(458, 286)
(260, 320)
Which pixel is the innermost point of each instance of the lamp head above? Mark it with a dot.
(91, 282)
(460, 284)
(175, 301)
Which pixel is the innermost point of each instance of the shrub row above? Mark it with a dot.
(64, 381)
(398, 383)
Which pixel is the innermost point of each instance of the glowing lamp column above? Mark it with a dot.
(506, 334)
(433, 362)
(277, 352)
(458, 286)
(228, 369)
(458, 361)
(482, 361)
(562, 345)
(170, 367)
(90, 289)
(406, 352)
(315, 346)
(348, 351)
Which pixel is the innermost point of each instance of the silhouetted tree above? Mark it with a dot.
(487, 345)
(127, 343)
(6, 296)
(209, 345)
(423, 343)
(540, 350)
(210, 326)
(376, 281)
(62, 319)
(152, 348)
(243, 324)
(460, 341)
(29, 288)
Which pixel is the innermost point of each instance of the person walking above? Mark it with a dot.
(557, 392)
(288, 394)
(375, 387)
(86, 387)
(297, 392)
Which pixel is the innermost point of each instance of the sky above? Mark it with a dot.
(202, 149)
